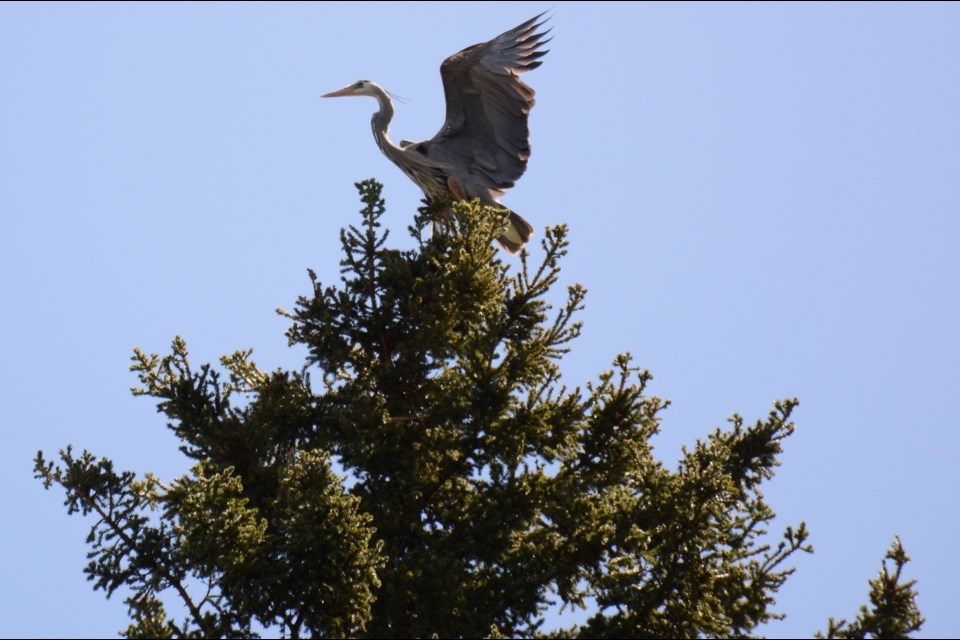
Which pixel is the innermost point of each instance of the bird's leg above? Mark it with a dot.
(437, 207)
(457, 194)
(455, 189)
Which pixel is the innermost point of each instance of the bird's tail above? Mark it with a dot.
(518, 234)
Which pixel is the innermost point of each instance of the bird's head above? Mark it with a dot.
(358, 88)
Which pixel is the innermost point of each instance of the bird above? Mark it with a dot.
(483, 146)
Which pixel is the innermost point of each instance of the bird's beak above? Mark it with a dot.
(346, 91)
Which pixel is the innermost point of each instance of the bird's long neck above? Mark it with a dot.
(428, 174)
(381, 124)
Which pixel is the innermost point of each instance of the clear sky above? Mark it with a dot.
(763, 202)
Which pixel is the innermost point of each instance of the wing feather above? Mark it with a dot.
(485, 133)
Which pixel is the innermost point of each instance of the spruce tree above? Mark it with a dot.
(427, 472)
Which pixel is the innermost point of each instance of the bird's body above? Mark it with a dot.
(483, 146)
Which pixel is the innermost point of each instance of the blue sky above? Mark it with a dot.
(763, 203)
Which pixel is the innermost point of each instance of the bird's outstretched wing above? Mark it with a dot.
(486, 129)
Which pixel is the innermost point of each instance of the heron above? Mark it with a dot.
(483, 146)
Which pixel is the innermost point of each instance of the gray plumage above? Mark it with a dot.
(484, 144)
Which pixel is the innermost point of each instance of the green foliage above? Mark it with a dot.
(476, 488)
(893, 609)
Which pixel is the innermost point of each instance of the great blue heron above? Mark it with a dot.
(483, 146)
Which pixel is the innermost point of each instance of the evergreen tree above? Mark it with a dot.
(427, 473)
